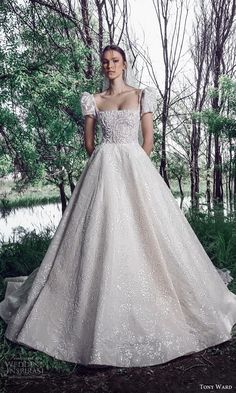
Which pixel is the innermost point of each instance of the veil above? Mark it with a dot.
(131, 80)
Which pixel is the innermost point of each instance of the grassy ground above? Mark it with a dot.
(217, 234)
(41, 194)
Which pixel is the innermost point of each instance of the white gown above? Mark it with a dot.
(125, 281)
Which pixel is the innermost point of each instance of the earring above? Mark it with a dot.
(125, 74)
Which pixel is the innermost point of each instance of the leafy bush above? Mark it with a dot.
(217, 233)
(22, 256)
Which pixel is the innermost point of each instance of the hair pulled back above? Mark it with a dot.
(116, 48)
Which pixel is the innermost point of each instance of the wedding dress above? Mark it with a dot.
(125, 281)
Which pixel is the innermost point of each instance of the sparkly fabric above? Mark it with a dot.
(125, 280)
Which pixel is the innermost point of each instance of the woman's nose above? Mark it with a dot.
(109, 64)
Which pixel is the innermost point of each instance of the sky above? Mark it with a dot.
(144, 25)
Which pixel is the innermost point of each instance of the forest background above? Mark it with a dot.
(50, 54)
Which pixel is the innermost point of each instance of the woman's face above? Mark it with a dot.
(113, 64)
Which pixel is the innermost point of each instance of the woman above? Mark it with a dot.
(125, 281)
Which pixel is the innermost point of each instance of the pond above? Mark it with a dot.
(30, 218)
(39, 217)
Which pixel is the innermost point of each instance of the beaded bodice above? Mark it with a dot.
(119, 125)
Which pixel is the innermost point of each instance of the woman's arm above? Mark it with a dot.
(147, 130)
(89, 134)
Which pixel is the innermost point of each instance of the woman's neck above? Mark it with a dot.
(116, 87)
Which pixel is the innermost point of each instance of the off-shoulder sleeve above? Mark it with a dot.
(88, 105)
(148, 100)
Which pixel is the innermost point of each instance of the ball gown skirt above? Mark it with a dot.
(125, 281)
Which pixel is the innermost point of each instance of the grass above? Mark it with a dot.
(217, 233)
(40, 194)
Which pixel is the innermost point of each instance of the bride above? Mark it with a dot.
(125, 281)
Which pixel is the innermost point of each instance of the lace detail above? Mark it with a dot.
(88, 105)
(119, 126)
(148, 103)
(225, 275)
(148, 100)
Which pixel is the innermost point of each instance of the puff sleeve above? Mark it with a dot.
(148, 100)
(88, 104)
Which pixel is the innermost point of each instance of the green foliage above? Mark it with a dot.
(43, 75)
(223, 121)
(7, 205)
(5, 164)
(12, 196)
(24, 252)
(155, 154)
(177, 166)
(217, 233)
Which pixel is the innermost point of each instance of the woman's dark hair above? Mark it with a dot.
(116, 48)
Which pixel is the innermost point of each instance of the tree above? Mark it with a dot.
(202, 60)
(49, 56)
(224, 12)
(172, 39)
(178, 170)
(223, 124)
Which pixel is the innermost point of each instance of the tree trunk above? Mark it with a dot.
(63, 196)
(71, 183)
(218, 185)
(163, 169)
(208, 168)
(87, 34)
(230, 170)
(179, 178)
(234, 176)
(194, 168)
(223, 18)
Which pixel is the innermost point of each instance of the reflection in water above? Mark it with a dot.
(30, 218)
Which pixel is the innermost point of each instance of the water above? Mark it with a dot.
(39, 217)
(30, 218)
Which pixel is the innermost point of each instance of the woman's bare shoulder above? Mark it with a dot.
(100, 94)
(138, 91)
(133, 89)
(99, 97)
